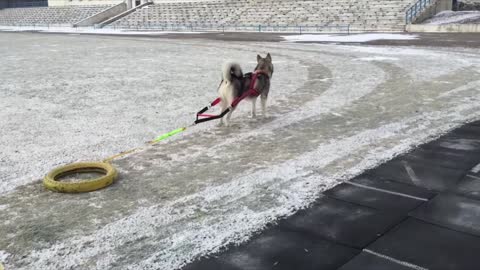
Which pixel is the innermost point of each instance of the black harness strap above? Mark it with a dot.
(212, 118)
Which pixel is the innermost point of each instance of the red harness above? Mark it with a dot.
(251, 92)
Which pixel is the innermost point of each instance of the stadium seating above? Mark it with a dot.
(47, 15)
(368, 15)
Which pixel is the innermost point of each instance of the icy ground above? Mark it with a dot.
(455, 17)
(84, 30)
(355, 38)
(334, 112)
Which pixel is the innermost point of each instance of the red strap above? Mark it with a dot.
(252, 82)
(250, 92)
(215, 102)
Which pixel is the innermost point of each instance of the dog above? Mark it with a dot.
(230, 87)
(234, 84)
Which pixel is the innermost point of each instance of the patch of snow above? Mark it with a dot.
(88, 30)
(468, 86)
(3, 256)
(476, 169)
(348, 38)
(454, 17)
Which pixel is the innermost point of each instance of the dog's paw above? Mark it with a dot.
(253, 116)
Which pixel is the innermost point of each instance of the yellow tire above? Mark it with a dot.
(50, 180)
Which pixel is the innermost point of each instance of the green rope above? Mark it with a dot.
(169, 134)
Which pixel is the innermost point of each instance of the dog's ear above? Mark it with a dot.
(269, 57)
(258, 58)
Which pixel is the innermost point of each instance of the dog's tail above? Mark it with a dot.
(231, 69)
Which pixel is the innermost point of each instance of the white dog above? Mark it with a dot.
(230, 87)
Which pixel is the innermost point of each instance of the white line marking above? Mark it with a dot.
(386, 191)
(476, 169)
(412, 174)
(468, 86)
(473, 176)
(407, 264)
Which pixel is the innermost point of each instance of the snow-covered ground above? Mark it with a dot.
(85, 30)
(334, 112)
(355, 38)
(454, 17)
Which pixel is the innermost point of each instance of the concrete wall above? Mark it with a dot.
(102, 16)
(446, 28)
(23, 3)
(435, 8)
(82, 2)
(443, 5)
(134, 3)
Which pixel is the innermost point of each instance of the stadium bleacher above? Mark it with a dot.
(368, 15)
(359, 15)
(47, 15)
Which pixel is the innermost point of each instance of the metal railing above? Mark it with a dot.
(345, 29)
(37, 25)
(39, 3)
(417, 9)
(233, 28)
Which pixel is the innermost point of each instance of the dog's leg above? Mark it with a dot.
(224, 106)
(263, 100)
(229, 115)
(254, 110)
(228, 102)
